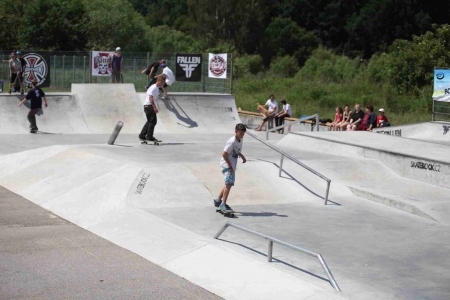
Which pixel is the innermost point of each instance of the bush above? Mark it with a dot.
(247, 64)
(285, 66)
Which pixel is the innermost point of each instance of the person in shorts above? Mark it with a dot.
(15, 67)
(35, 96)
(169, 78)
(151, 70)
(355, 119)
(272, 106)
(228, 164)
(116, 65)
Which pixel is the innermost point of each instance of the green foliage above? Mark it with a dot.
(285, 66)
(162, 39)
(247, 64)
(54, 25)
(9, 24)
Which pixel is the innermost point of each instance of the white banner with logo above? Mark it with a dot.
(441, 85)
(101, 63)
(217, 66)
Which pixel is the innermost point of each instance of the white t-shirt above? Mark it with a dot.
(273, 104)
(287, 108)
(233, 148)
(170, 78)
(152, 91)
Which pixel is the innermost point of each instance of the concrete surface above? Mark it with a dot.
(43, 256)
(157, 203)
(435, 132)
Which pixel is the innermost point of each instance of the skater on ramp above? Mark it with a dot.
(167, 74)
(228, 164)
(151, 70)
(151, 110)
(35, 96)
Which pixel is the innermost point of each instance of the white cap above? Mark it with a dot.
(118, 49)
(381, 109)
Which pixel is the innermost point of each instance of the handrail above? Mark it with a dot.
(283, 154)
(274, 240)
(315, 116)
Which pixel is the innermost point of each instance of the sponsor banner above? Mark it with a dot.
(441, 85)
(38, 68)
(217, 66)
(101, 63)
(188, 67)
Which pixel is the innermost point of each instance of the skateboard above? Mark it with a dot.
(33, 131)
(146, 142)
(229, 214)
(263, 110)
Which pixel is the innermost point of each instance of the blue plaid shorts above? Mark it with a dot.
(228, 177)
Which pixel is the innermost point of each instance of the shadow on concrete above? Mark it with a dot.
(277, 260)
(290, 177)
(186, 119)
(262, 214)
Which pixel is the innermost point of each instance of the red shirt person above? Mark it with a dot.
(382, 120)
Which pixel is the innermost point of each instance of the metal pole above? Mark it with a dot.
(64, 71)
(115, 133)
(84, 69)
(267, 130)
(221, 231)
(54, 70)
(317, 122)
(328, 190)
(205, 70)
(281, 165)
(73, 67)
(269, 252)
(231, 74)
(330, 276)
(134, 72)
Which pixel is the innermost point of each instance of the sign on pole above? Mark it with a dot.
(441, 85)
(188, 67)
(217, 66)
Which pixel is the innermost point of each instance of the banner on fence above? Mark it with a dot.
(217, 66)
(441, 85)
(188, 67)
(101, 63)
(38, 68)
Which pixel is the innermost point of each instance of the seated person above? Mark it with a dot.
(272, 106)
(285, 113)
(355, 118)
(337, 119)
(345, 118)
(382, 120)
(369, 121)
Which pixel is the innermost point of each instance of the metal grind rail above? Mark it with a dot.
(315, 116)
(283, 154)
(277, 241)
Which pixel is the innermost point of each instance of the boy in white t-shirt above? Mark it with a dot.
(228, 164)
(285, 113)
(272, 106)
(169, 78)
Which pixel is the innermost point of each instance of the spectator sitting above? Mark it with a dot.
(356, 118)
(382, 120)
(272, 106)
(345, 118)
(337, 119)
(285, 113)
(369, 121)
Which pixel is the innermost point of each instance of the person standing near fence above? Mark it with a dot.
(169, 78)
(151, 110)
(15, 67)
(35, 96)
(116, 65)
(22, 71)
(151, 70)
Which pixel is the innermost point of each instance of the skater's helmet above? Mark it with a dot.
(19, 52)
(162, 66)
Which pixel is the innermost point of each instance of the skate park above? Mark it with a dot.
(383, 231)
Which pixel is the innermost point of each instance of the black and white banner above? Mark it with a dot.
(189, 67)
(38, 68)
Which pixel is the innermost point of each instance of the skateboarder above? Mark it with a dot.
(151, 70)
(228, 164)
(151, 110)
(35, 96)
(169, 78)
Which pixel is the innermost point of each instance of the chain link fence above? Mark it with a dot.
(75, 67)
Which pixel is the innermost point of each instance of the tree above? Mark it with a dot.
(9, 26)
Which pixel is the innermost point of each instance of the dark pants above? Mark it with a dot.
(32, 118)
(149, 127)
(280, 121)
(152, 80)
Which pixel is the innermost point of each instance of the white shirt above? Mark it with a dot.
(287, 108)
(271, 105)
(152, 91)
(170, 78)
(233, 148)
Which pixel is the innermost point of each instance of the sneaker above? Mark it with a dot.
(217, 202)
(222, 207)
(228, 207)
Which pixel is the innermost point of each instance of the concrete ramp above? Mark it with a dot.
(197, 113)
(436, 132)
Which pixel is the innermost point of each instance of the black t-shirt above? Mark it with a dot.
(24, 63)
(154, 65)
(35, 97)
(357, 115)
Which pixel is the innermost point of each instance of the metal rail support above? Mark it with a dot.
(283, 154)
(315, 116)
(277, 241)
